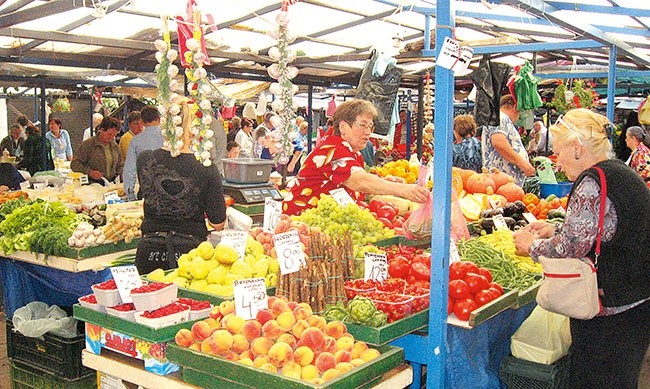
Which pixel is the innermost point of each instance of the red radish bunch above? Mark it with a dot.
(167, 310)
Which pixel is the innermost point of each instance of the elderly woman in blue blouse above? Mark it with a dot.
(59, 139)
(467, 148)
(607, 351)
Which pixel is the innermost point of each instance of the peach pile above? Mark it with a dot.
(285, 339)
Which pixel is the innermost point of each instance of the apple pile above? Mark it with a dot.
(285, 339)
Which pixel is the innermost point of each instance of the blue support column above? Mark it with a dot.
(611, 83)
(444, 99)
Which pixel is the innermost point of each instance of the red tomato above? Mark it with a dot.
(483, 297)
(422, 284)
(456, 271)
(374, 214)
(423, 258)
(469, 267)
(375, 204)
(421, 271)
(463, 308)
(450, 305)
(495, 293)
(411, 279)
(398, 221)
(485, 273)
(363, 204)
(476, 282)
(497, 287)
(399, 267)
(458, 289)
(387, 211)
(386, 222)
(406, 215)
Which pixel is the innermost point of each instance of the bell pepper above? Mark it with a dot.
(361, 309)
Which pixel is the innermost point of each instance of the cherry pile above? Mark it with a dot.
(396, 306)
(353, 287)
(195, 305)
(151, 287)
(90, 299)
(124, 307)
(106, 285)
(167, 310)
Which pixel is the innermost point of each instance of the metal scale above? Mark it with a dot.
(249, 198)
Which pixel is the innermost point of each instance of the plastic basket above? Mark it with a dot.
(153, 300)
(560, 189)
(55, 354)
(521, 374)
(23, 376)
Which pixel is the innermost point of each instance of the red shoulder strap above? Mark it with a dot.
(601, 215)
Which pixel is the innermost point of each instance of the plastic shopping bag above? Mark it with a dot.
(459, 228)
(544, 337)
(418, 224)
(37, 318)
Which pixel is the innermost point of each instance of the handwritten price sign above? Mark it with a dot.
(250, 297)
(376, 267)
(341, 196)
(126, 278)
(272, 212)
(235, 239)
(290, 254)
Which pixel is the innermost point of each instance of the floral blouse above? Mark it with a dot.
(640, 161)
(467, 154)
(492, 158)
(330, 164)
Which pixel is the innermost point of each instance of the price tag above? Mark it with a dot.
(25, 185)
(112, 195)
(83, 179)
(235, 239)
(290, 254)
(272, 212)
(453, 252)
(40, 185)
(529, 217)
(250, 297)
(341, 196)
(126, 278)
(376, 267)
(500, 222)
(453, 56)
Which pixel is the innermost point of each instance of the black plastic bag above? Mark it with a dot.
(490, 80)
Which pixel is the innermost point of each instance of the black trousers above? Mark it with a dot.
(162, 250)
(608, 351)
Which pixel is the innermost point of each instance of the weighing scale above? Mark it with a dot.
(249, 198)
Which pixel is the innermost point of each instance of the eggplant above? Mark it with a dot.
(490, 212)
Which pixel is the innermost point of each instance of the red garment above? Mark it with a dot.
(228, 112)
(326, 168)
(331, 107)
(185, 29)
(397, 138)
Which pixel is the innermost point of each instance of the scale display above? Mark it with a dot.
(251, 194)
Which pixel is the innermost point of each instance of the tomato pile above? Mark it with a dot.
(151, 287)
(90, 299)
(470, 287)
(354, 287)
(106, 285)
(195, 305)
(410, 264)
(396, 306)
(386, 213)
(128, 307)
(167, 310)
(420, 297)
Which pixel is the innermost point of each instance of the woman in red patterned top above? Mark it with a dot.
(337, 163)
(638, 140)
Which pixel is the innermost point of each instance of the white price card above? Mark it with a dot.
(453, 252)
(250, 297)
(529, 217)
(453, 56)
(112, 195)
(126, 278)
(290, 254)
(83, 179)
(376, 267)
(500, 222)
(40, 185)
(272, 212)
(235, 239)
(341, 196)
(25, 185)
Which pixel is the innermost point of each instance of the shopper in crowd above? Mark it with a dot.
(136, 125)
(261, 137)
(541, 141)
(233, 149)
(467, 149)
(59, 139)
(88, 132)
(302, 140)
(10, 177)
(244, 139)
(606, 351)
(337, 163)
(233, 128)
(150, 138)
(502, 147)
(99, 157)
(34, 160)
(23, 122)
(179, 192)
(638, 140)
(14, 143)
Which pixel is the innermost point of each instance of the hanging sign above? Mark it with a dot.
(250, 297)
(453, 56)
(272, 212)
(290, 254)
(126, 278)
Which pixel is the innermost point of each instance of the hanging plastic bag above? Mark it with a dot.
(418, 224)
(545, 170)
(37, 318)
(544, 337)
(459, 228)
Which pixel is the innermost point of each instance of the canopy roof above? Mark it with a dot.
(111, 41)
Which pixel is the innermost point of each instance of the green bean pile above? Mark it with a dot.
(504, 269)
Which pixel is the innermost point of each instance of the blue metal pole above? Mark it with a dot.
(444, 105)
(611, 83)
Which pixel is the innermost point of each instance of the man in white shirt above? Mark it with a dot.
(97, 118)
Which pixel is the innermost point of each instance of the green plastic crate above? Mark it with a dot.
(521, 374)
(26, 377)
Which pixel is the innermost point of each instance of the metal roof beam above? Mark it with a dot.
(601, 9)
(603, 74)
(14, 7)
(543, 10)
(506, 18)
(625, 30)
(74, 38)
(532, 47)
(635, 17)
(40, 11)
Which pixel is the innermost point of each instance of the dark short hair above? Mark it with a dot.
(108, 123)
(506, 100)
(133, 116)
(232, 144)
(22, 120)
(150, 114)
(55, 120)
(247, 122)
(32, 130)
(14, 126)
(349, 110)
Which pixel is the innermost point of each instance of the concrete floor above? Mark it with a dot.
(644, 381)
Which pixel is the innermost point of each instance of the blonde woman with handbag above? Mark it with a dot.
(607, 350)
